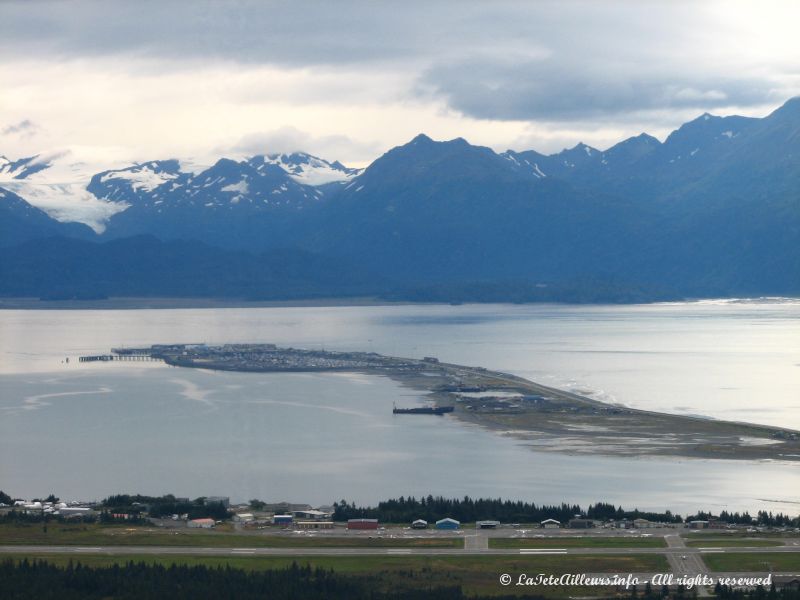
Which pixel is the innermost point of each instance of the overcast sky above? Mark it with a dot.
(349, 80)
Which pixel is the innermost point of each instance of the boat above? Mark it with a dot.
(423, 410)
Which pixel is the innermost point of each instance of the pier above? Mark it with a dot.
(118, 357)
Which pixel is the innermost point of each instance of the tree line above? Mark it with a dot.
(22, 580)
(433, 508)
(165, 506)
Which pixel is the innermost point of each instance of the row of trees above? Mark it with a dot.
(432, 508)
(165, 506)
(22, 580)
(763, 517)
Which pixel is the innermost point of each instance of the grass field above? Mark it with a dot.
(711, 533)
(477, 575)
(98, 535)
(727, 543)
(762, 562)
(584, 542)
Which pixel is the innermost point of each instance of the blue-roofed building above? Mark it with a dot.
(448, 523)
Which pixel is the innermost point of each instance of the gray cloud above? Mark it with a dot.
(593, 65)
(291, 139)
(334, 33)
(246, 31)
(25, 128)
(552, 90)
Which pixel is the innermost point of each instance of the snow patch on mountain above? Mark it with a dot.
(240, 187)
(144, 177)
(311, 170)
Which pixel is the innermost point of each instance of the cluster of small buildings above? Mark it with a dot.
(579, 522)
(303, 517)
(270, 357)
(445, 524)
(56, 509)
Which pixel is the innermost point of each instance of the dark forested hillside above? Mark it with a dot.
(714, 210)
(63, 268)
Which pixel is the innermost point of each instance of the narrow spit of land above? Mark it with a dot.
(548, 419)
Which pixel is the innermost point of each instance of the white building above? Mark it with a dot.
(551, 524)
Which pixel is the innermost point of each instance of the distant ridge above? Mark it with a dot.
(714, 210)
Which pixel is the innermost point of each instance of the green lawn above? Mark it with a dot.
(477, 575)
(117, 535)
(726, 543)
(751, 562)
(582, 542)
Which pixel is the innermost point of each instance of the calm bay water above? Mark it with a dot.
(84, 431)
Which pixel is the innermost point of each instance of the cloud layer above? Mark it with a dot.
(354, 78)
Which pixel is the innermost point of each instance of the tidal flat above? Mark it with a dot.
(546, 418)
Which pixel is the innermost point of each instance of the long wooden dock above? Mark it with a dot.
(118, 357)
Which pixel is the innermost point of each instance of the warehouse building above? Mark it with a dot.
(311, 515)
(201, 523)
(551, 524)
(419, 524)
(579, 523)
(448, 523)
(362, 523)
(314, 525)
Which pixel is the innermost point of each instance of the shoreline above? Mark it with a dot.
(544, 418)
(166, 303)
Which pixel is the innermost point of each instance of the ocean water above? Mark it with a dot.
(84, 431)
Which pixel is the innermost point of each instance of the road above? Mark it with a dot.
(692, 564)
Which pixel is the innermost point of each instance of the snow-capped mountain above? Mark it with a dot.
(70, 187)
(236, 201)
(162, 186)
(56, 183)
(308, 169)
(710, 211)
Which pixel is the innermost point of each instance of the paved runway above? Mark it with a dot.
(692, 564)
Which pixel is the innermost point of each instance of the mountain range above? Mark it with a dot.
(713, 210)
